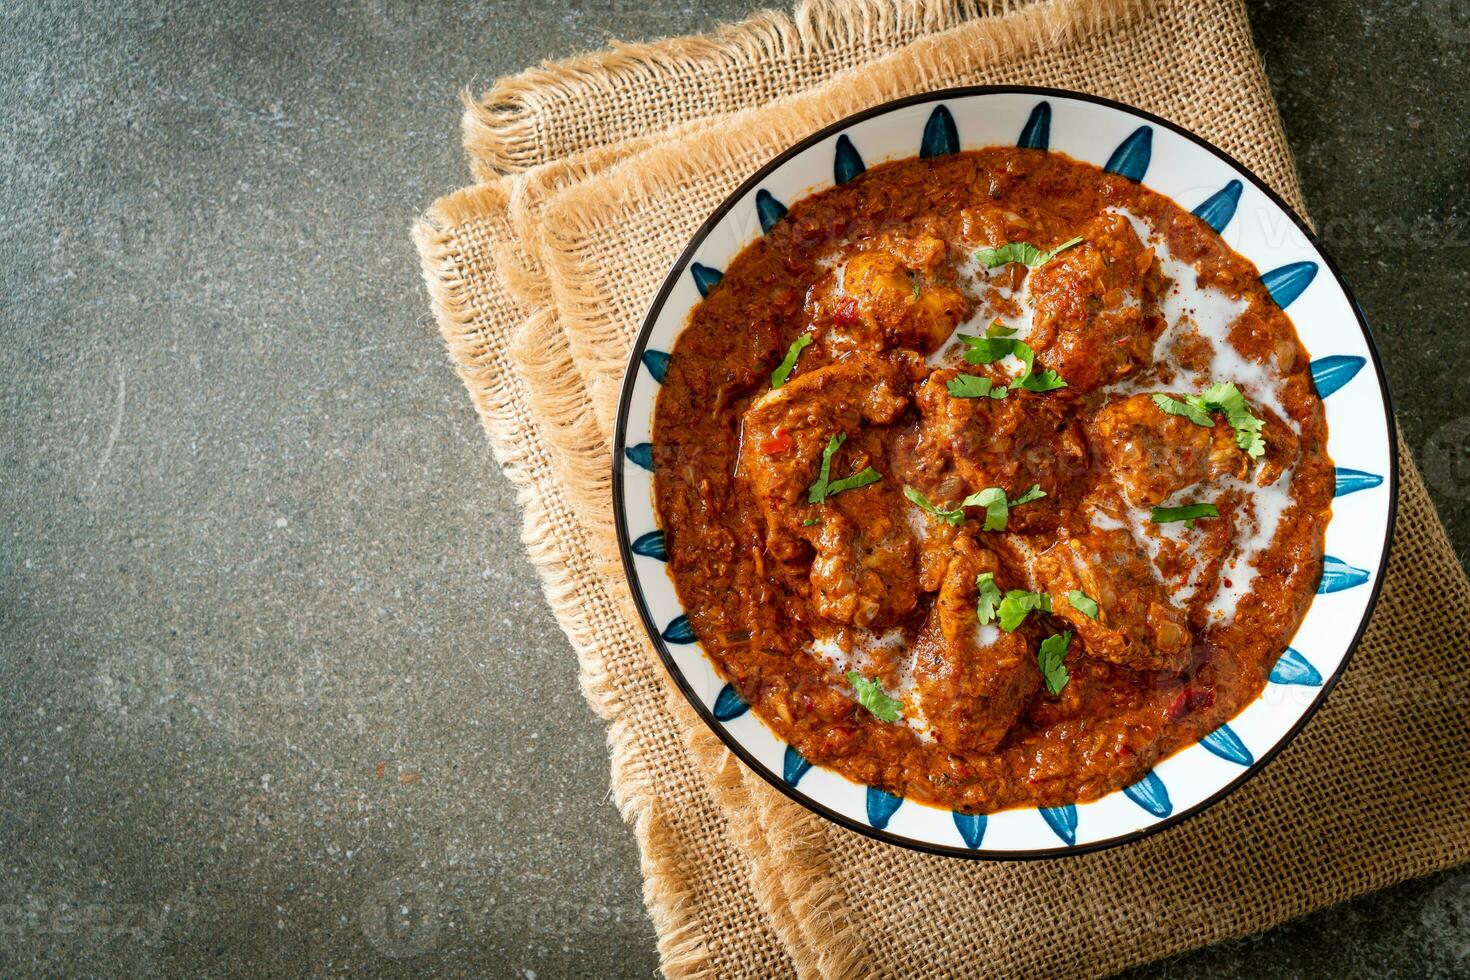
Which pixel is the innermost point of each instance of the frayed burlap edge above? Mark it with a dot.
(514, 125)
(683, 950)
(786, 844)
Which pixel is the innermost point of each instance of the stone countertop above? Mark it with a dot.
(254, 545)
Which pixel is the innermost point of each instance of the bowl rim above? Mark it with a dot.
(625, 553)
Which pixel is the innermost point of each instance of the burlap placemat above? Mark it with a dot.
(539, 281)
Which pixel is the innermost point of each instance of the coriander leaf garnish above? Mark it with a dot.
(1022, 252)
(818, 491)
(1226, 398)
(997, 508)
(918, 286)
(1189, 513)
(953, 517)
(1051, 658)
(1018, 604)
(1047, 380)
(993, 499)
(866, 477)
(1197, 414)
(811, 522)
(989, 349)
(1035, 493)
(783, 370)
(987, 600)
(1083, 603)
(998, 329)
(974, 386)
(870, 695)
(826, 486)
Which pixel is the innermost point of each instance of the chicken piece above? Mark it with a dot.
(1097, 306)
(991, 226)
(972, 681)
(866, 568)
(1153, 454)
(889, 303)
(1282, 448)
(1137, 626)
(1023, 439)
(866, 556)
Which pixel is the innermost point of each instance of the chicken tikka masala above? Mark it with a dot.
(992, 479)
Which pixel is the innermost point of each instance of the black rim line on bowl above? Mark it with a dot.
(625, 397)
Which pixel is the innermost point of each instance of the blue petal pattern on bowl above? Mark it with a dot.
(847, 164)
(642, 454)
(1131, 158)
(705, 278)
(1062, 820)
(1037, 134)
(1331, 373)
(971, 825)
(1338, 575)
(940, 134)
(1293, 668)
(1151, 794)
(651, 545)
(1220, 208)
(657, 363)
(881, 807)
(1227, 745)
(1351, 481)
(679, 631)
(729, 705)
(1288, 282)
(794, 766)
(768, 209)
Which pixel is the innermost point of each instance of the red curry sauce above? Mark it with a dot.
(793, 598)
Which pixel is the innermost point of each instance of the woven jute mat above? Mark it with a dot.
(593, 174)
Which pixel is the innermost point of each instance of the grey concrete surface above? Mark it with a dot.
(254, 550)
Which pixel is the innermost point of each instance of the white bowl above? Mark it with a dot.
(1254, 222)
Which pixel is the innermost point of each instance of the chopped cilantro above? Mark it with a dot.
(1035, 493)
(817, 492)
(783, 370)
(954, 517)
(1189, 513)
(997, 508)
(989, 349)
(1223, 397)
(1022, 252)
(1083, 603)
(998, 329)
(867, 477)
(974, 386)
(871, 696)
(1051, 658)
(1018, 604)
(988, 598)
(1197, 414)
(1047, 380)
(993, 499)
(811, 522)
(826, 486)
